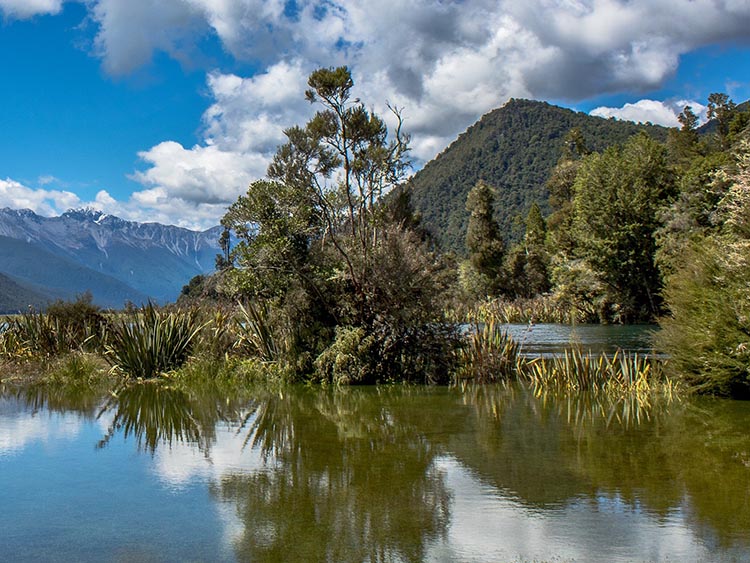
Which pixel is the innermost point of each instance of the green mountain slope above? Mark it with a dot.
(514, 149)
(15, 297)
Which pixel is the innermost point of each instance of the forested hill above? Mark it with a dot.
(514, 149)
(15, 297)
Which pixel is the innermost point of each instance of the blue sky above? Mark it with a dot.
(165, 110)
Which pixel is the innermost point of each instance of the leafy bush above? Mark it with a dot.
(81, 319)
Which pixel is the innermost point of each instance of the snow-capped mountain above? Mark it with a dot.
(152, 260)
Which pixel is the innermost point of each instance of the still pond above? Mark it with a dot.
(496, 473)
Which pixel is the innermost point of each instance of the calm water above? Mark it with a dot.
(153, 473)
(552, 339)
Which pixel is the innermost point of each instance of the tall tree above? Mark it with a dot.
(721, 107)
(345, 161)
(618, 198)
(318, 241)
(483, 241)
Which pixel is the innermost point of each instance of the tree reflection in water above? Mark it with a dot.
(346, 480)
(355, 474)
(659, 455)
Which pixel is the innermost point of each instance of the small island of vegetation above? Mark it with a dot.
(328, 275)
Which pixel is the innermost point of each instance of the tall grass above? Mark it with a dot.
(149, 342)
(39, 335)
(489, 354)
(541, 309)
(576, 370)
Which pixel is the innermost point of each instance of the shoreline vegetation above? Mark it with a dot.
(327, 275)
(76, 343)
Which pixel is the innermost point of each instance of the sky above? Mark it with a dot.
(166, 110)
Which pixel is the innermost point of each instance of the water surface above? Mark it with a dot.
(553, 339)
(496, 473)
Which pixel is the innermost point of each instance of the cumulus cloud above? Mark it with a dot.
(446, 63)
(659, 113)
(154, 204)
(27, 8)
(45, 202)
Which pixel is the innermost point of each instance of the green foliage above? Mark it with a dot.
(82, 319)
(578, 289)
(349, 359)
(150, 342)
(707, 334)
(255, 333)
(514, 149)
(527, 265)
(483, 241)
(274, 224)
(618, 198)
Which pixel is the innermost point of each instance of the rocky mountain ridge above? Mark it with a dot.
(151, 259)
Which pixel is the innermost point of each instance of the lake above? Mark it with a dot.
(495, 473)
(552, 339)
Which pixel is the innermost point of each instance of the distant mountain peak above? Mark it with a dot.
(19, 212)
(85, 214)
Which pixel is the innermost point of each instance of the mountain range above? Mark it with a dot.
(48, 258)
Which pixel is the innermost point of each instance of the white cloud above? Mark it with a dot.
(27, 8)
(446, 63)
(15, 195)
(129, 32)
(659, 113)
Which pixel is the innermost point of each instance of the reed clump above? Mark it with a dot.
(540, 309)
(489, 354)
(576, 370)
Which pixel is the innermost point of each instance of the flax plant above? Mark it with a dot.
(255, 333)
(35, 335)
(149, 342)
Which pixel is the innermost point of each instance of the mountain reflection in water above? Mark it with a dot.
(410, 473)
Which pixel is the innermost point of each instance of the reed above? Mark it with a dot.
(576, 370)
(489, 354)
(148, 342)
(42, 336)
(255, 334)
(541, 309)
